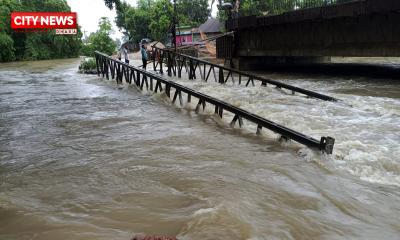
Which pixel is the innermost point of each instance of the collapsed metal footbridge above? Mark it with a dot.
(111, 68)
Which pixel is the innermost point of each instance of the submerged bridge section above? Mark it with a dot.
(359, 28)
(114, 69)
(179, 63)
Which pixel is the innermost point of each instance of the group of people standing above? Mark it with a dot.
(125, 53)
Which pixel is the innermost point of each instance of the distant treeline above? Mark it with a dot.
(35, 46)
(153, 18)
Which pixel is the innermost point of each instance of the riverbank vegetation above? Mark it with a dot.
(153, 18)
(88, 66)
(35, 45)
(100, 40)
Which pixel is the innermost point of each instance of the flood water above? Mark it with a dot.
(81, 158)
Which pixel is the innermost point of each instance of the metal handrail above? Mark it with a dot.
(230, 72)
(119, 70)
(282, 6)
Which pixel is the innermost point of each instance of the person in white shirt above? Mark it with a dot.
(126, 54)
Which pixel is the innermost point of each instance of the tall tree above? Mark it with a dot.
(153, 18)
(111, 3)
(193, 12)
(161, 19)
(7, 52)
(145, 4)
(101, 40)
(134, 22)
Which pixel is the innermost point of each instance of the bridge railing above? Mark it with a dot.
(109, 67)
(278, 9)
(282, 6)
(178, 63)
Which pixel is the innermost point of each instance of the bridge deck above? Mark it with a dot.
(118, 70)
(176, 61)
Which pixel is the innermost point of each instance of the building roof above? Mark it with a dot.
(212, 25)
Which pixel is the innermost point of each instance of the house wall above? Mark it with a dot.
(183, 38)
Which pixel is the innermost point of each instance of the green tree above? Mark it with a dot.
(7, 48)
(193, 12)
(145, 4)
(161, 18)
(49, 45)
(101, 40)
(134, 21)
(153, 18)
(111, 3)
(7, 52)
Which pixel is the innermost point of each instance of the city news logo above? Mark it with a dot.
(62, 22)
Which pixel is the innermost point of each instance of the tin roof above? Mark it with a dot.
(212, 25)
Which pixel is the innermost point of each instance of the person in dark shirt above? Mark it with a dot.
(144, 56)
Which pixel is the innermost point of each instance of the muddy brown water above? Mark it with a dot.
(81, 158)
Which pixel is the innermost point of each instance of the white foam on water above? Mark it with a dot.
(204, 211)
(366, 128)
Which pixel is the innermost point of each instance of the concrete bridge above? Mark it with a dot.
(361, 28)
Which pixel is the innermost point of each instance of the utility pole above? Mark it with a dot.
(174, 26)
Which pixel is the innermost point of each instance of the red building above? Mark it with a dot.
(187, 35)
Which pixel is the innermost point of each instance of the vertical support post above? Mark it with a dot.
(173, 61)
(178, 61)
(161, 62)
(155, 53)
(221, 76)
(220, 112)
(169, 64)
(138, 78)
(112, 69)
(199, 105)
(103, 65)
(118, 73)
(191, 69)
(194, 69)
(174, 26)
(97, 65)
(106, 65)
(204, 72)
(259, 129)
(168, 90)
(326, 144)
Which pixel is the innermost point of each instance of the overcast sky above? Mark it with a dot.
(90, 11)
